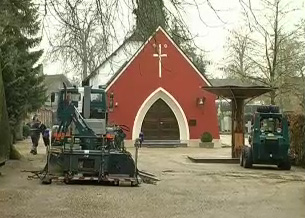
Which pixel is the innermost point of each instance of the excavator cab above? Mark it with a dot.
(83, 98)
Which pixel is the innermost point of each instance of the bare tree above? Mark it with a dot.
(87, 30)
(83, 34)
(269, 58)
(239, 63)
(299, 58)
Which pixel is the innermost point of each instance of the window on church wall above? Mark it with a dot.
(111, 96)
(192, 122)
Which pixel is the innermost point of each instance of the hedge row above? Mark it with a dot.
(297, 137)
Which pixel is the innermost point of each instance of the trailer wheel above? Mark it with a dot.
(134, 184)
(285, 165)
(46, 180)
(67, 178)
(67, 181)
(247, 157)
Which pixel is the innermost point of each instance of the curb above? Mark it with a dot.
(214, 160)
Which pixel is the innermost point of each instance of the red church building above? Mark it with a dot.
(154, 88)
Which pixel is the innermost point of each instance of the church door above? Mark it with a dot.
(160, 123)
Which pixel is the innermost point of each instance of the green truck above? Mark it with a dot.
(269, 140)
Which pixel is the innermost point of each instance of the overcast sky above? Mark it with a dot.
(210, 31)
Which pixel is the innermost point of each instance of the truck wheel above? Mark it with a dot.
(247, 157)
(285, 165)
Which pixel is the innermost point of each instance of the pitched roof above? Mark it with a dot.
(50, 81)
(118, 61)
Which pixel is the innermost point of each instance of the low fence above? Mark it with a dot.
(45, 115)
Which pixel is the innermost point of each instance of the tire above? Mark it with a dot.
(134, 184)
(285, 165)
(46, 181)
(241, 158)
(247, 157)
(67, 181)
(268, 109)
(274, 109)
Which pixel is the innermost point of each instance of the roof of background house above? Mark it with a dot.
(51, 80)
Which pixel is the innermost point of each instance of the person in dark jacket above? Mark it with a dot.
(141, 136)
(35, 134)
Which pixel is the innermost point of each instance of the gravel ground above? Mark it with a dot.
(186, 190)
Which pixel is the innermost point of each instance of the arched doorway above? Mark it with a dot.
(160, 122)
(161, 93)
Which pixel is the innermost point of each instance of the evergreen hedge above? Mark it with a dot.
(297, 137)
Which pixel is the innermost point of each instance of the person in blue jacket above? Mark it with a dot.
(45, 132)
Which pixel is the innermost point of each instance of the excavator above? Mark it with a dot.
(84, 146)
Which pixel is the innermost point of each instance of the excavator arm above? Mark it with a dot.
(85, 133)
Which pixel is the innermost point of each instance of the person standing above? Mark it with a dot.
(141, 136)
(35, 134)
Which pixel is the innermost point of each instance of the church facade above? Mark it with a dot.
(155, 89)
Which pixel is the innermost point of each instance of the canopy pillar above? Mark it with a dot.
(237, 129)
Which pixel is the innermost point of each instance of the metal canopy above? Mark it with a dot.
(238, 94)
(241, 92)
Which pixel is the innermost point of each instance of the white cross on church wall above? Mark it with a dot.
(160, 56)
